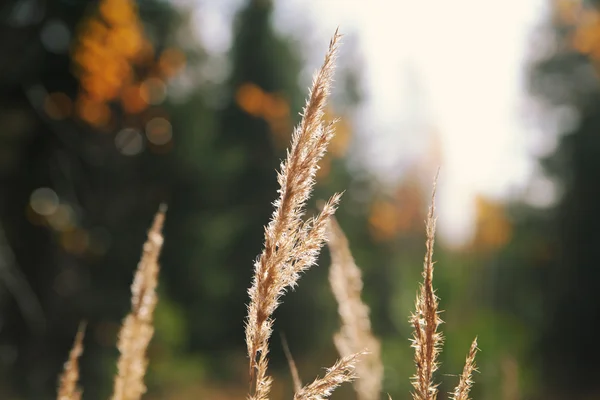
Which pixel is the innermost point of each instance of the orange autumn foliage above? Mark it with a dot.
(110, 49)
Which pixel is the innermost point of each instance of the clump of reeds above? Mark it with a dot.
(291, 246)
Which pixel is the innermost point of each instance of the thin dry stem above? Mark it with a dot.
(461, 392)
(321, 388)
(355, 334)
(137, 329)
(426, 320)
(67, 389)
(291, 245)
(292, 364)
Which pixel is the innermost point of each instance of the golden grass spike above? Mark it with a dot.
(291, 245)
(67, 389)
(426, 320)
(355, 334)
(137, 329)
(461, 392)
(321, 388)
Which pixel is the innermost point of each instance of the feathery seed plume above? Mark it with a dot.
(137, 329)
(461, 392)
(68, 389)
(321, 388)
(291, 245)
(425, 320)
(355, 334)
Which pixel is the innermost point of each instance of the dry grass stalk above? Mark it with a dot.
(461, 392)
(292, 364)
(355, 334)
(137, 329)
(67, 389)
(291, 245)
(426, 320)
(321, 388)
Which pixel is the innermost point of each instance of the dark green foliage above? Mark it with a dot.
(554, 256)
(218, 179)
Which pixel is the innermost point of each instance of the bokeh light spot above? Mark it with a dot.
(55, 36)
(153, 91)
(159, 131)
(26, 13)
(44, 201)
(133, 101)
(75, 241)
(58, 105)
(63, 219)
(129, 142)
(250, 98)
(93, 112)
(171, 61)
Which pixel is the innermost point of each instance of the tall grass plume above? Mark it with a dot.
(67, 387)
(321, 388)
(427, 340)
(355, 334)
(137, 328)
(461, 392)
(291, 245)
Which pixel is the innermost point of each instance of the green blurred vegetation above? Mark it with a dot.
(131, 110)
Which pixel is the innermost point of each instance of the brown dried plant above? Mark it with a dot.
(321, 388)
(355, 334)
(461, 392)
(426, 340)
(291, 244)
(67, 388)
(137, 329)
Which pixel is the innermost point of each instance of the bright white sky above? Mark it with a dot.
(456, 68)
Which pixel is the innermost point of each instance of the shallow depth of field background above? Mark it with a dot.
(110, 107)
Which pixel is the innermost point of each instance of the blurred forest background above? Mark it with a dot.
(110, 107)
